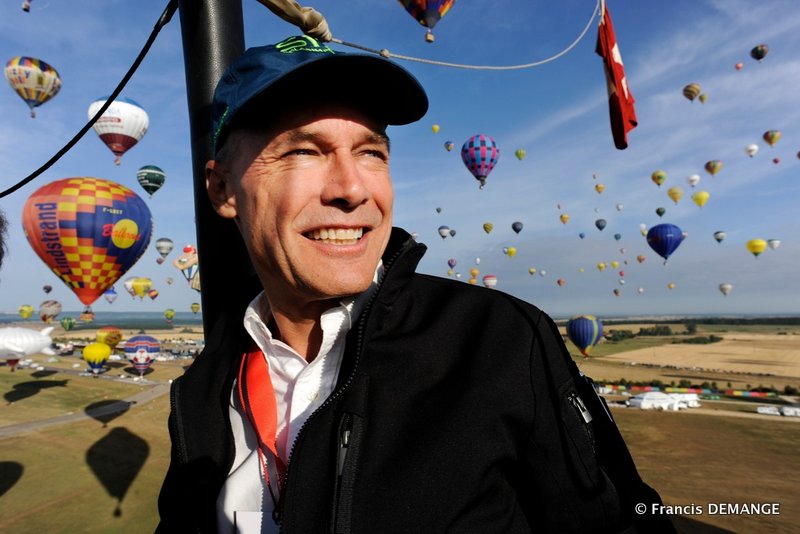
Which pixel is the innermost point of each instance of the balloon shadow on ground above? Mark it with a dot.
(115, 365)
(10, 473)
(23, 390)
(106, 411)
(686, 525)
(43, 374)
(116, 461)
(133, 371)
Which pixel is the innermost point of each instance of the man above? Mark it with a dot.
(353, 395)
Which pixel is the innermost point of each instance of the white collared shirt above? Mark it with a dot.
(300, 388)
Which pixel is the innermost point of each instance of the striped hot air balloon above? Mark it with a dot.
(35, 81)
(121, 126)
(585, 332)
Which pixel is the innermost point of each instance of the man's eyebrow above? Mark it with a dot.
(296, 136)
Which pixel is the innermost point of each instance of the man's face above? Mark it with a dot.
(313, 200)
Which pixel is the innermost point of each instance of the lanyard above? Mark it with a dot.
(257, 398)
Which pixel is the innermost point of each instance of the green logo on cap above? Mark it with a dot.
(302, 43)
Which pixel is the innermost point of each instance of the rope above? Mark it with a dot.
(387, 54)
(162, 21)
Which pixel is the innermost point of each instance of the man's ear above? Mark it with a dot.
(220, 189)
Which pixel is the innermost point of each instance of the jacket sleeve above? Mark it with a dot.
(583, 478)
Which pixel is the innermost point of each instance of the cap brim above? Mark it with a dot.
(377, 86)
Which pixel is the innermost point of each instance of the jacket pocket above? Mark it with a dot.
(347, 454)
(579, 443)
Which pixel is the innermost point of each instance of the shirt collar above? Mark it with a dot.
(335, 321)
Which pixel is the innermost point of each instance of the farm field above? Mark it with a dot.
(109, 469)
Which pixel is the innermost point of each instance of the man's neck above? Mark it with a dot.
(302, 332)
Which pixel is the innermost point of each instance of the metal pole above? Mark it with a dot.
(213, 36)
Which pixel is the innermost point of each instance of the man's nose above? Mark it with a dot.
(346, 186)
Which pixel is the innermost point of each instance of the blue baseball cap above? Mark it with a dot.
(301, 68)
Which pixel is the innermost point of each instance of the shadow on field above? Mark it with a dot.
(116, 460)
(10, 473)
(116, 365)
(106, 411)
(23, 390)
(686, 525)
(134, 372)
(43, 374)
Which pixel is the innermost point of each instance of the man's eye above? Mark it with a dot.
(300, 152)
(380, 154)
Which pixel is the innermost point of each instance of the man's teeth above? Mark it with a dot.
(337, 236)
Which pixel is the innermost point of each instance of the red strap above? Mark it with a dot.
(258, 401)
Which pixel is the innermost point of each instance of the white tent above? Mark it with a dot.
(656, 400)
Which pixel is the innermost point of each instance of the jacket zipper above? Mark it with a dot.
(277, 514)
(583, 412)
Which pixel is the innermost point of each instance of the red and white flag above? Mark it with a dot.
(620, 99)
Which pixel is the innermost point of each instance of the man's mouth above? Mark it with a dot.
(336, 236)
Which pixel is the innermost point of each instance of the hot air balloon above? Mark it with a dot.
(169, 280)
(67, 323)
(614, 264)
(772, 137)
(89, 231)
(564, 218)
(195, 307)
(128, 285)
(151, 178)
(691, 91)
(520, 153)
(700, 198)
(601, 266)
(110, 335)
(189, 268)
(87, 315)
(542, 273)
(617, 237)
(435, 128)
(449, 145)
(693, 179)
(661, 211)
(122, 125)
(619, 207)
(725, 288)
(26, 6)
(141, 351)
(585, 331)
(444, 231)
(532, 271)
(664, 239)
(451, 262)
(675, 193)
(640, 258)
(96, 355)
(153, 293)
(599, 188)
(756, 246)
(759, 52)
(49, 309)
(35, 81)
(141, 286)
(487, 227)
(719, 236)
(427, 12)
(658, 177)
(561, 282)
(776, 160)
(25, 311)
(703, 98)
(169, 315)
(47, 288)
(600, 224)
(490, 281)
(480, 155)
(713, 167)
(751, 150)
(671, 286)
(516, 226)
(452, 232)
(511, 252)
(773, 243)
(582, 235)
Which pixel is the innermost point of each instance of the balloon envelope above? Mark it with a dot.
(96, 354)
(89, 231)
(121, 126)
(772, 137)
(34, 81)
(719, 236)
(600, 224)
(427, 12)
(725, 288)
(756, 246)
(141, 351)
(585, 332)
(664, 239)
(480, 155)
(759, 52)
(701, 197)
(713, 167)
(517, 227)
(658, 177)
(691, 91)
(151, 178)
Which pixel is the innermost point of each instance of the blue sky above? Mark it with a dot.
(557, 112)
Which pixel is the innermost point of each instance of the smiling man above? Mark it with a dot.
(353, 394)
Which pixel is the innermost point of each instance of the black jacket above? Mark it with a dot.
(457, 409)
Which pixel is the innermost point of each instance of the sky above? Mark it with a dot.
(557, 112)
